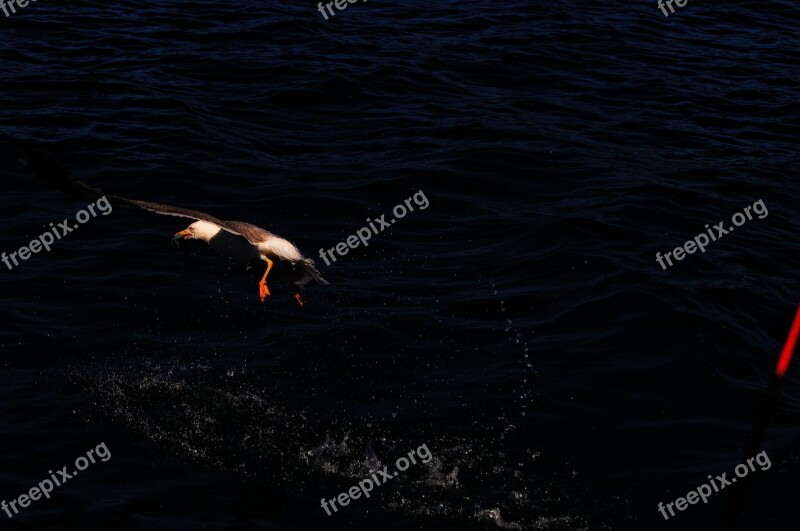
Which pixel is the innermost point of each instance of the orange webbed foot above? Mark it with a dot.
(299, 299)
(263, 290)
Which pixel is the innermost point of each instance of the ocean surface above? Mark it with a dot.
(520, 326)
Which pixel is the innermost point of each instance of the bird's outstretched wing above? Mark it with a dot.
(169, 210)
(60, 178)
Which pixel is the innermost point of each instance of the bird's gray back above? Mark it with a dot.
(251, 232)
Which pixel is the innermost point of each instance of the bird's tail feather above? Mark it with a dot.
(308, 266)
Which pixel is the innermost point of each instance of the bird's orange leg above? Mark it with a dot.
(300, 300)
(263, 290)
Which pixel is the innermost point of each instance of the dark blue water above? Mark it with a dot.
(520, 326)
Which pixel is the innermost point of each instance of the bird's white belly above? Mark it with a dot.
(279, 248)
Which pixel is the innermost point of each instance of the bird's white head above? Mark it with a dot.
(199, 230)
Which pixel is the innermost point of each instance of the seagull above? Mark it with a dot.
(236, 239)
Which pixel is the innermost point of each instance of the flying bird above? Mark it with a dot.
(236, 239)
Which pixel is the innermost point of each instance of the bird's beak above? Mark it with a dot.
(185, 234)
